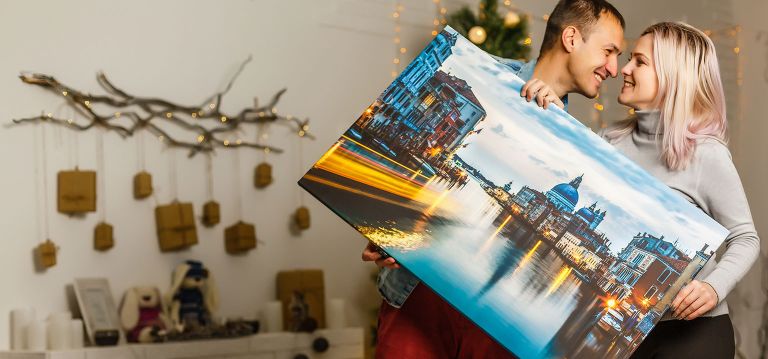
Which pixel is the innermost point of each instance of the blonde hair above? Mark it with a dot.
(690, 95)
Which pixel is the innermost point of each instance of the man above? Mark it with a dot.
(580, 50)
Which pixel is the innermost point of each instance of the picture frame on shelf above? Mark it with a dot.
(99, 312)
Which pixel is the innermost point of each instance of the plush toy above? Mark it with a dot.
(142, 315)
(193, 297)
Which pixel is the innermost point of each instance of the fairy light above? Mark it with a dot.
(440, 12)
(168, 115)
(239, 142)
(223, 119)
(194, 114)
(65, 93)
(226, 142)
(117, 114)
(399, 50)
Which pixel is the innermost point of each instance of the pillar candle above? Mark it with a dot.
(336, 310)
(20, 319)
(78, 338)
(36, 336)
(273, 316)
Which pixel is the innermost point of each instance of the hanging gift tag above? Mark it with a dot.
(103, 237)
(211, 213)
(263, 175)
(45, 254)
(76, 191)
(240, 237)
(301, 217)
(142, 185)
(175, 226)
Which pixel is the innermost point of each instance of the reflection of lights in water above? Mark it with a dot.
(527, 257)
(393, 238)
(559, 279)
(436, 203)
(488, 241)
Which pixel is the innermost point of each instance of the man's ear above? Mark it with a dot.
(570, 38)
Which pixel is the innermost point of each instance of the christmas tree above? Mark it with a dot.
(505, 36)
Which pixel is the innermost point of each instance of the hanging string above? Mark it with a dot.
(173, 180)
(140, 158)
(209, 173)
(101, 192)
(45, 186)
(237, 184)
(38, 208)
(261, 138)
(301, 168)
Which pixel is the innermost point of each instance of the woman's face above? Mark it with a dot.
(640, 81)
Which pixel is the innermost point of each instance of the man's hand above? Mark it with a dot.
(371, 254)
(693, 300)
(544, 95)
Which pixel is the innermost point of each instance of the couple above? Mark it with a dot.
(677, 133)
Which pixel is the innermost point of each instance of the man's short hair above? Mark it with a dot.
(581, 14)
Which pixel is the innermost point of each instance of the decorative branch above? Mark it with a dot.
(208, 139)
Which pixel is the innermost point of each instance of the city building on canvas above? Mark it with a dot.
(531, 225)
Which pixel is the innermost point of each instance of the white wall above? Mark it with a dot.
(184, 51)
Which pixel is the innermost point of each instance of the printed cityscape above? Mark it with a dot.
(423, 173)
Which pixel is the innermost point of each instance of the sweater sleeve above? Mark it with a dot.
(726, 202)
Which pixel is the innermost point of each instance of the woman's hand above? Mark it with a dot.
(543, 94)
(371, 254)
(693, 300)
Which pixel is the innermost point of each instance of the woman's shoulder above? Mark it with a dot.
(710, 148)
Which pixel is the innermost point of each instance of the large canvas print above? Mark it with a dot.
(523, 219)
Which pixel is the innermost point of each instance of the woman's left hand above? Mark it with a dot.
(693, 300)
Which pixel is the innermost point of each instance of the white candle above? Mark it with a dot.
(336, 314)
(35, 335)
(59, 334)
(273, 317)
(78, 338)
(20, 319)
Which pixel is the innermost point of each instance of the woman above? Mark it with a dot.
(678, 134)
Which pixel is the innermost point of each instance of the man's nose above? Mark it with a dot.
(612, 66)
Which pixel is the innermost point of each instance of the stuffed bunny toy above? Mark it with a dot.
(142, 315)
(193, 297)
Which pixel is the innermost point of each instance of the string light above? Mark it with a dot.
(399, 50)
(200, 138)
(226, 142)
(223, 119)
(440, 12)
(64, 93)
(168, 115)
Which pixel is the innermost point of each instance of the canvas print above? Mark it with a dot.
(528, 223)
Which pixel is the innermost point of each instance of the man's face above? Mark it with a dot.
(596, 57)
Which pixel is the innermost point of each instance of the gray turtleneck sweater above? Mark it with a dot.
(711, 183)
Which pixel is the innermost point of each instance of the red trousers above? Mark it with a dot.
(427, 327)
